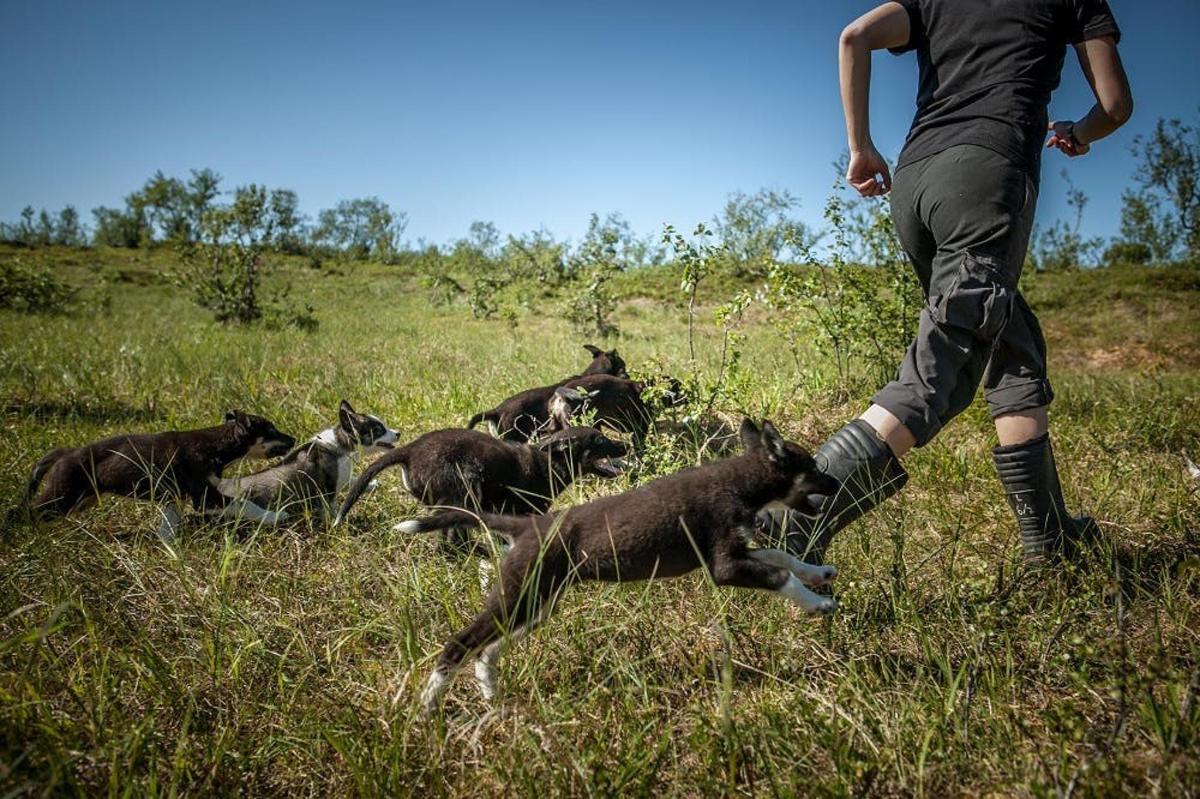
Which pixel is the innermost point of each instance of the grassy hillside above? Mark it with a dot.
(265, 661)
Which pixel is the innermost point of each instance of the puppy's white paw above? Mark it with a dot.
(825, 607)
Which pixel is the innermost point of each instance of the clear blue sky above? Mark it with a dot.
(524, 114)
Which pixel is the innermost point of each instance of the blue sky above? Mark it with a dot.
(523, 114)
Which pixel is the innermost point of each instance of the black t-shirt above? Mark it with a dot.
(988, 68)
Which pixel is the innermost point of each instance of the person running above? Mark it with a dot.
(962, 200)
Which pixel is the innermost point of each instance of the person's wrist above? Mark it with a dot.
(1073, 136)
(861, 148)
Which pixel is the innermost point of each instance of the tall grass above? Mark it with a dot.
(265, 661)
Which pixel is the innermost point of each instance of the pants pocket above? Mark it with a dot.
(979, 299)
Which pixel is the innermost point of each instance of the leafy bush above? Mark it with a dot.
(1162, 216)
(864, 311)
(225, 271)
(30, 288)
(592, 302)
(1061, 247)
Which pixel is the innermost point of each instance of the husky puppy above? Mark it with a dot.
(313, 474)
(703, 517)
(166, 468)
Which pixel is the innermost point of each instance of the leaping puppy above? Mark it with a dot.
(314, 474)
(699, 517)
(166, 468)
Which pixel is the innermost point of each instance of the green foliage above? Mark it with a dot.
(591, 300)
(225, 271)
(537, 257)
(1160, 220)
(695, 261)
(33, 288)
(759, 229)
(862, 312)
(360, 228)
(39, 229)
(1061, 247)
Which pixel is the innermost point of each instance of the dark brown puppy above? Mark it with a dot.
(614, 403)
(702, 516)
(524, 416)
(164, 467)
(470, 469)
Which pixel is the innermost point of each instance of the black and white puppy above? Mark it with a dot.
(166, 468)
(313, 474)
(703, 517)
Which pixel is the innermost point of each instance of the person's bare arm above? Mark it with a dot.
(882, 27)
(1101, 64)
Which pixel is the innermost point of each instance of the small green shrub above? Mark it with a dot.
(32, 288)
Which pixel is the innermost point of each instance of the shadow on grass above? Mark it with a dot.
(93, 411)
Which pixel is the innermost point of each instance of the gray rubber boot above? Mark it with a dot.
(1030, 479)
(868, 472)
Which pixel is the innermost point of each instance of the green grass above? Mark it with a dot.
(264, 662)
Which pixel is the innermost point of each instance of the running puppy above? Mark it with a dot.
(160, 467)
(522, 417)
(702, 516)
(315, 473)
(471, 469)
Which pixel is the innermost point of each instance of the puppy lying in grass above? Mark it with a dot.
(313, 474)
(699, 517)
(524, 416)
(166, 468)
(470, 469)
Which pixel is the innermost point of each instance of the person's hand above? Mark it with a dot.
(868, 173)
(1062, 137)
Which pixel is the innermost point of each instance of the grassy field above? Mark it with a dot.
(264, 662)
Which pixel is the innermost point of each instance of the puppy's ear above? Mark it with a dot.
(345, 415)
(594, 350)
(238, 418)
(774, 442)
(750, 436)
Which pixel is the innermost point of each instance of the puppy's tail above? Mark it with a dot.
(492, 417)
(510, 527)
(396, 456)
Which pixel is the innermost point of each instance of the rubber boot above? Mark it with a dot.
(1030, 481)
(868, 472)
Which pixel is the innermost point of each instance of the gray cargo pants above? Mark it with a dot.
(964, 216)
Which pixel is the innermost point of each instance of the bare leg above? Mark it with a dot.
(814, 576)
(1021, 426)
(893, 432)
